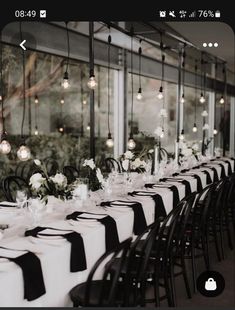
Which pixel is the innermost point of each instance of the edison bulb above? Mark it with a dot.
(182, 100)
(202, 99)
(131, 144)
(23, 153)
(36, 99)
(160, 95)
(5, 147)
(221, 100)
(61, 129)
(215, 131)
(88, 127)
(62, 101)
(181, 137)
(109, 142)
(194, 128)
(139, 96)
(36, 132)
(162, 135)
(84, 102)
(92, 82)
(65, 83)
(0, 97)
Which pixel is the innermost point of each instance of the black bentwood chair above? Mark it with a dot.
(133, 272)
(112, 164)
(71, 173)
(26, 169)
(104, 292)
(13, 183)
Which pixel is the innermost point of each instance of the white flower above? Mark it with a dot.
(151, 151)
(158, 131)
(137, 163)
(99, 176)
(128, 155)
(90, 163)
(204, 113)
(163, 113)
(125, 164)
(205, 127)
(195, 147)
(182, 145)
(59, 179)
(36, 180)
(37, 162)
(187, 152)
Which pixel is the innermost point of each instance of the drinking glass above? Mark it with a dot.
(36, 207)
(21, 198)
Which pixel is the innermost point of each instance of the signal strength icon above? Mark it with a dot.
(193, 14)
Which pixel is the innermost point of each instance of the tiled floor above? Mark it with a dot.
(226, 268)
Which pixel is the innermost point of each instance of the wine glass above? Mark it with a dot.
(35, 207)
(21, 198)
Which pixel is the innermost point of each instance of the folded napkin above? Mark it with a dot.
(184, 182)
(184, 170)
(159, 205)
(199, 182)
(111, 233)
(140, 223)
(216, 177)
(208, 177)
(223, 174)
(32, 272)
(229, 166)
(8, 204)
(77, 257)
(173, 188)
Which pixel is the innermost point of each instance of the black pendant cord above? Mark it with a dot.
(215, 79)
(140, 53)
(36, 97)
(68, 46)
(204, 85)
(2, 94)
(24, 99)
(109, 42)
(202, 62)
(163, 74)
(132, 83)
(195, 101)
(183, 82)
(82, 103)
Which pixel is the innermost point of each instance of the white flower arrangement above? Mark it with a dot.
(159, 131)
(90, 163)
(205, 127)
(204, 113)
(163, 113)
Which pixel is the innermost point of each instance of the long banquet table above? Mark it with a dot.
(54, 255)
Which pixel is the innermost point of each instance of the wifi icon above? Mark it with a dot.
(193, 14)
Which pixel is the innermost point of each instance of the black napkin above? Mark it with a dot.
(140, 223)
(216, 177)
(32, 274)
(208, 177)
(229, 166)
(77, 257)
(173, 188)
(184, 182)
(111, 233)
(159, 205)
(184, 170)
(199, 182)
(223, 174)
(175, 174)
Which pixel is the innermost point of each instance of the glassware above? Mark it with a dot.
(36, 207)
(21, 198)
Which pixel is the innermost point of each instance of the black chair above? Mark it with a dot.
(112, 164)
(102, 292)
(13, 183)
(26, 169)
(163, 154)
(51, 166)
(71, 173)
(133, 272)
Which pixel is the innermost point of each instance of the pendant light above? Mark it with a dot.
(5, 146)
(109, 141)
(131, 142)
(92, 83)
(202, 97)
(61, 126)
(195, 100)
(221, 101)
(23, 152)
(65, 83)
(139, 95)
(204, 113)
(36, 101)
(215, 131)
(182, 100)
(160, 93)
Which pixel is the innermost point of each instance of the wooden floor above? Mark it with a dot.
(225, 267)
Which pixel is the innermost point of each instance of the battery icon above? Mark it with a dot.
(217, 14)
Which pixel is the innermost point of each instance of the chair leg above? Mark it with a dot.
(215, 236)
(205, 252)
(168, 291)
(221, 240)
(172, 284)
(230, 243)
(194, 272)
(186, 282)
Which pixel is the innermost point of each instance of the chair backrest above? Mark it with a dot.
(13, 183)
(51, 166)
(112, 164)
(26, 169)
(71, 173)
(163, 154)
(108, 288)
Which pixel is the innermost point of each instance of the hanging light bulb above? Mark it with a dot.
(131, 142)
(202, 99)
(23, 153)
(194, 127)
(36, 99)
(61, 129)
(162, 135)
(88, 127)
(65, 83)
(221, 100)
(215, 131)
(109, 141)
(182, 100)
(181, 137)
(84, 102)
(160, 94)
(5, 147)
(62, 101)
(139, 96)
(92, 82)
(36, 131)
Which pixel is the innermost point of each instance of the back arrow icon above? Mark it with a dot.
(22, 45)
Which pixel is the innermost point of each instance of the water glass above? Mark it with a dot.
(21, 198)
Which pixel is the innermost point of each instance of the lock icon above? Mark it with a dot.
(210, 285)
